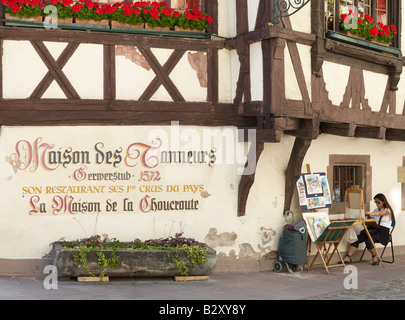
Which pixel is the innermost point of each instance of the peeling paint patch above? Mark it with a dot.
(198, 61)
(275, 203)
(267, 235)
(246, 251)
(16, 164)
(134, 55)
(205, 194)
(226, 239)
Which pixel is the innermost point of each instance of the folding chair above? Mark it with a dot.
(389, 242)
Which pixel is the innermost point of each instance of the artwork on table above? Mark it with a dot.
(316, 223)
(313, 191)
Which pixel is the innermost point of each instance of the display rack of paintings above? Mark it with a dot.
(313, 191)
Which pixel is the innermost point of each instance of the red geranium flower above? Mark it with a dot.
(76, 7)
(374, 31)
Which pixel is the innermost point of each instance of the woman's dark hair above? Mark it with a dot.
(384, 200)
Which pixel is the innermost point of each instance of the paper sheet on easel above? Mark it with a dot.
(354, 214)
(353, 207)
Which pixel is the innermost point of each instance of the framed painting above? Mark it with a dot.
(316, 223)
(313, 191)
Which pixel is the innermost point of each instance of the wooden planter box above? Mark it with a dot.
(65, 23)
(23, 22)
(92, 24)
(115, 25)
(341, 37)
(132, 263)
(147, 26)
(176, 28)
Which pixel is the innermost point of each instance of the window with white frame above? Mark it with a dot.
(377, 9)
(184, 4)
(387, 12)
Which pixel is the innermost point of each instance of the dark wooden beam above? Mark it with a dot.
(53, 112)
(271, 32)
(55, 71)
(212, 76)
(162, 74)
(264, 14)
(109, 38)
(48, 78)
(395, 135)
(306, 129)
(337, 129)
(247, 180)
(109, 72)
(293, 171)
(370, 132)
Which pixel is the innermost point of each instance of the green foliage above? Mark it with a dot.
(196, 253)
(93, 244)
(194, 19)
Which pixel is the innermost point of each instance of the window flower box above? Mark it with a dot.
(92, 24)
(23, 21)
(345, 38)
(116, 25)
(176, 28)
(150, 14)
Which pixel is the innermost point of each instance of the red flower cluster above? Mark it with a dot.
(367, 17)
(155, 14)
(364, 26)
(196, 14)
(65, 3)
(28, 7)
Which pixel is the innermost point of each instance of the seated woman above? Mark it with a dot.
(383, 215)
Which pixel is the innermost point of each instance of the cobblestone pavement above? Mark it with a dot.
(391, 290)
(373, 282)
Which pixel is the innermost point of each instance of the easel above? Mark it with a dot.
(330, 238)
(328, 242)
(361, 221)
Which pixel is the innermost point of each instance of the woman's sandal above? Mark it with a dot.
(346, 262)
(375, 263)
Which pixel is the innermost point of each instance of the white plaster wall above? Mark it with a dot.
(235, 67)
(185, 77)
(336, 77)
(132, 79)
(226, 19)
(24, 69)
(224, 77)
(402, 38)
(400, 96)
(253, 6)
(21, 74)
(375, 85)
(292, 90)
(301, 20)
(256, 71)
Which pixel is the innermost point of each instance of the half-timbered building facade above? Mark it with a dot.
(148, 134)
